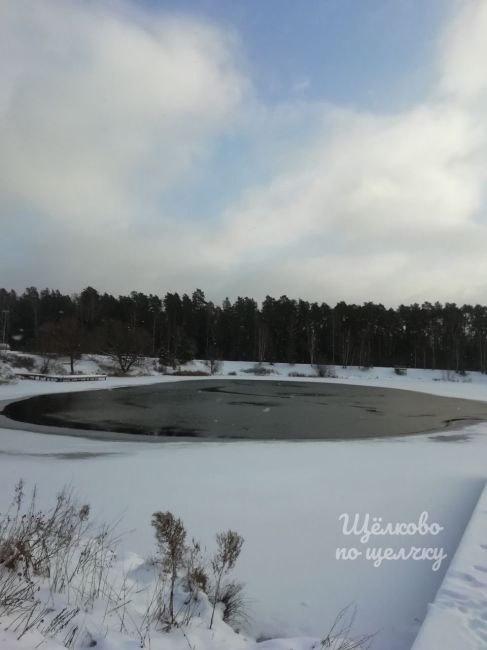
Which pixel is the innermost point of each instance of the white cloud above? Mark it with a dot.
(401, 198)
(104, 108)
(463, 74)
(376, 176)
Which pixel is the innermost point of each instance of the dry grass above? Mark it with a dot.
(58, 548)
(341, 636)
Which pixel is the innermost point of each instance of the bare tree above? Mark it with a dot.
(311, 339)
(63, 337)
(124, 344)
(262, 339)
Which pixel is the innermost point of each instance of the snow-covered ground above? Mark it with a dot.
(458, 617)
(285, 498)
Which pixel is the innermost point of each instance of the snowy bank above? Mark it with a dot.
(457, 618)
(63, 584)
(285, 498)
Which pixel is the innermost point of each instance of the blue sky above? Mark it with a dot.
(329, 150)
(370, 54)
(367, 53)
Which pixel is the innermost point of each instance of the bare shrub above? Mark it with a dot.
(20, 361)
(199, 578)
(214, 366)
(170, 535)
(196, 569)
(195, 581)
(258, 369)
(324, 370)
(60, 545)
(454, 376)
(167, 359)
(46, 364)
(235, 605)
(229, 545)
(32, 540)
(184, 576)
(7, 374)
(58, 548)
(87, 566)
(49, 365)
(299, 374)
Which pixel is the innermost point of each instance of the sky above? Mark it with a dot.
(323, 149)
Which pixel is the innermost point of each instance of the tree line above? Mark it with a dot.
(177, 328)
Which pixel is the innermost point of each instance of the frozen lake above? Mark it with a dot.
(246, 409)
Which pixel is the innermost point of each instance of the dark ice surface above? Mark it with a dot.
(244, 409)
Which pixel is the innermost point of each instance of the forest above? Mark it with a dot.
(177, 328)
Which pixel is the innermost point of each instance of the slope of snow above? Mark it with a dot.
(458, 616)
(120, 623)
(285, 498)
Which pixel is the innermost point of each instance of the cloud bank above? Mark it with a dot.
(105, 109)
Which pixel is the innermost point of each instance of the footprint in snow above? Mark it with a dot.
(467, 577)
